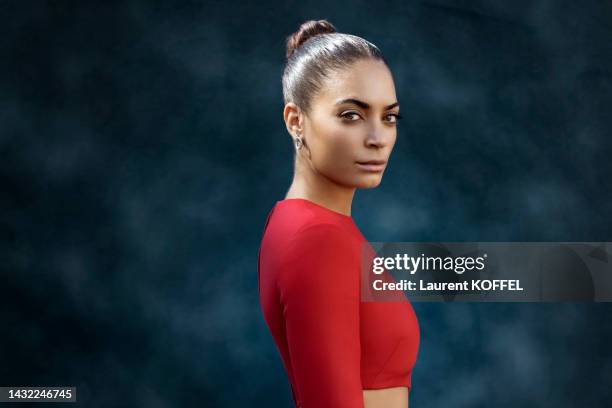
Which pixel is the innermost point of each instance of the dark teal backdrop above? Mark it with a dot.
(142, 146)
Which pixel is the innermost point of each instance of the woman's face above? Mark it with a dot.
(352, 121)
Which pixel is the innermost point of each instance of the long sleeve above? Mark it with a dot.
(320, 298)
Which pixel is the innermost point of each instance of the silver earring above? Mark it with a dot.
(298, 143)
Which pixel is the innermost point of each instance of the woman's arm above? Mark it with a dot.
(320, 298)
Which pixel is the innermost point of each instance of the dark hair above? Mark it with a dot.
(314, 51)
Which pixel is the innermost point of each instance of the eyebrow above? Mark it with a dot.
(363, 104)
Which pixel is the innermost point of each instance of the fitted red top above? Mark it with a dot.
(332, 344)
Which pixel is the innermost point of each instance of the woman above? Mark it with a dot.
(338, 350)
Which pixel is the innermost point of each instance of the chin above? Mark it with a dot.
(369, 182)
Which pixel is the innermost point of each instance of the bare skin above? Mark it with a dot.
(336, 137)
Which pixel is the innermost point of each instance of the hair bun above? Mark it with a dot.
(308, 29)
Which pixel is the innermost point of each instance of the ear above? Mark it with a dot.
(294, 121)
(292, 117)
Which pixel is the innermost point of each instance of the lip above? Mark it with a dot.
(372, 165)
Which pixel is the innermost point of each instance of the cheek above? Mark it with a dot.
(344, 146)
(336, 150)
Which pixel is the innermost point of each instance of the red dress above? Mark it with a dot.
(333, 345)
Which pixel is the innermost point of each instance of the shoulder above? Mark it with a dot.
(322, 246)
(322, 259)
(325, 235)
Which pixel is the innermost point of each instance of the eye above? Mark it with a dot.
(397, 117)
(350, 114)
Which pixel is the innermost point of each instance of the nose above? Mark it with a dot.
(377, 137)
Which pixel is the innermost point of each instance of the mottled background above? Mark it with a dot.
(142, 146)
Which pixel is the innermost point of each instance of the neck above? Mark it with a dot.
(321, 190)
